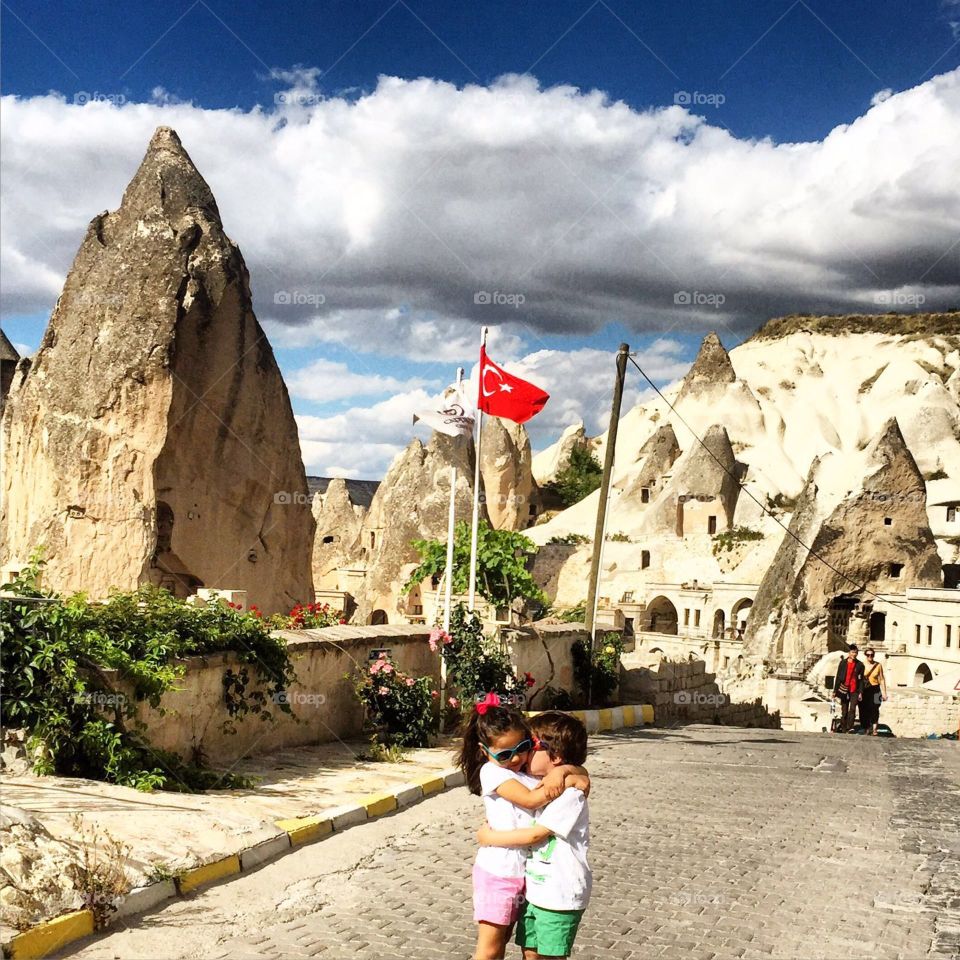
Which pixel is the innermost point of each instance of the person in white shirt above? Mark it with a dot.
(558, 875)
(496, 745)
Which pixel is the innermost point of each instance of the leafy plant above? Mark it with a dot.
(502, 565)
(618, 537)
(557, 698)
(475, 666)
(55, 654)
(578, 479)
(378, 753)
(598, 674)
(727, 539)
(307, 616)
(399, 707)
(569, 539)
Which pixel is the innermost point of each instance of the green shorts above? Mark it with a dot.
(550, 932)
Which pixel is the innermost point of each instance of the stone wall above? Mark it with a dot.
(682, 691)
(194, 716)
(919, 714)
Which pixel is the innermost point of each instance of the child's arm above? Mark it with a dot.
(552, 785)
(523, 837)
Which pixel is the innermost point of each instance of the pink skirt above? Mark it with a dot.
(497, 900)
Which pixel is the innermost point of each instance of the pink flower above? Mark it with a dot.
(383, 691)
(376, 667)
(437, 635)
(454, 702)
(386, 667)
(410, 681)
(433, 644)
(434, 694)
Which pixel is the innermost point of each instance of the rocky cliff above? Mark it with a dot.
(152, 438)
(510, 493)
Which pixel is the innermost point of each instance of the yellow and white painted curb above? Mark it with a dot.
(53, 935)
(613, 718)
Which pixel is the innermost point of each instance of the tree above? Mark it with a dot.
(578, 479)
(502, 555)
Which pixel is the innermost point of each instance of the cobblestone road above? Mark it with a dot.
(708, 842)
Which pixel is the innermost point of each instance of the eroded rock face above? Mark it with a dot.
(152, 439)
(548, 463)
(339, 522)
(656, 458)
(510, 492)
(870, 540)
(711, 369)
(411, 503)
(703, 485)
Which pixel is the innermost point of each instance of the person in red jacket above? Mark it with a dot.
(848, 687)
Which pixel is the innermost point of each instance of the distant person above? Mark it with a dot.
(874, 692)
(848, 687)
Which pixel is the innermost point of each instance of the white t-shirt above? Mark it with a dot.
(558, 875)
(503, 815)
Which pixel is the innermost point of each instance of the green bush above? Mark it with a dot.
(399, 707)
(569, 539)
(599, 673)
(54, 654)
(729, 538)
(578, 479)
(502, 565)
(474, 665)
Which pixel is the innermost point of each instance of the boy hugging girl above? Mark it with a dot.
(531, 869)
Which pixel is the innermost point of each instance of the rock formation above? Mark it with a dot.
(710, 370)
(152, 438)
(703, 485)
(655, 462)
(871, 539)
(411, 503)
(510, 492)
(9, 358)
(548, 463)
(339, 522)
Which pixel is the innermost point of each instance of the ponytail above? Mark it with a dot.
(477, 730)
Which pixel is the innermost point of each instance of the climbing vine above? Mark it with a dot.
(73, 673)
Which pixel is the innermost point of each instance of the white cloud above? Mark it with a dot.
(885, 94)
(420, 195)
(326, 380)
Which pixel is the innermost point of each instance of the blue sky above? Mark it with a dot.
(640, 172)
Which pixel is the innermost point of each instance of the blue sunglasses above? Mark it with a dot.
(505, 756)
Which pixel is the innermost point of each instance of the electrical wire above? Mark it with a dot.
(741, 486)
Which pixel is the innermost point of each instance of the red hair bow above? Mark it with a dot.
(490, 700)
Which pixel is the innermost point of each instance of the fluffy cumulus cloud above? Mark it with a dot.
(397, 222)
(323, 381)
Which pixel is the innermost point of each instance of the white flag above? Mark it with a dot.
(452, 413)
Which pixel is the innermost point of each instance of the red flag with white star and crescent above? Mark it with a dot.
(502, 394)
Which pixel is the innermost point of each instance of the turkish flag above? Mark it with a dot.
(504, 395)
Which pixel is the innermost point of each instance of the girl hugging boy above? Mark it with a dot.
(518, 772)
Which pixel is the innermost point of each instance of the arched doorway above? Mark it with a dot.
(719, 624)
(739, 614)
(662, 615)
(378, 618)
(922, 676)
(878, 627)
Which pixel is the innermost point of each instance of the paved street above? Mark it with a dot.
(708, 842)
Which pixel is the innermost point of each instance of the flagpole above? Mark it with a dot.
(448, 593)
(476, 486)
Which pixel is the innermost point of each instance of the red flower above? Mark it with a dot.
(528, 680)
(343, 621)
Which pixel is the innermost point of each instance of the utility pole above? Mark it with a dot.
(591, 611)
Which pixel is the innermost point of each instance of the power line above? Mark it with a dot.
(860, 587)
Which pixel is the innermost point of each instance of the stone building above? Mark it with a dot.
(152, 438)
(9, 358)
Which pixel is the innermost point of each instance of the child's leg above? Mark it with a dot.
(492, 940)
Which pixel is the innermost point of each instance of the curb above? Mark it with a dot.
(53, 935)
